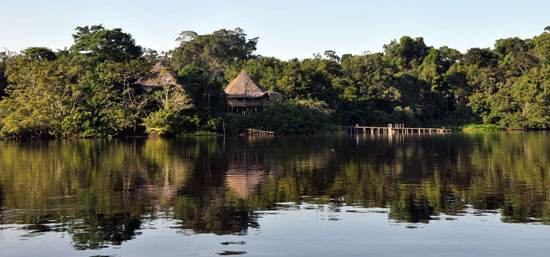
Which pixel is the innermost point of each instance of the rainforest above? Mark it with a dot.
(92, 89)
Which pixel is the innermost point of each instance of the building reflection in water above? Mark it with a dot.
(246, 172)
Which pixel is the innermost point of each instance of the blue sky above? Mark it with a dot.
(286, 29)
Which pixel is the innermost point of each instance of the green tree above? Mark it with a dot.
(294, 117)
(407, 53)
(482, 57)
(515, 55)
(169, 118)
(216, 52)
(39, 53)
(39, 96)
(109, 63)
(104, 44)
(206, 93)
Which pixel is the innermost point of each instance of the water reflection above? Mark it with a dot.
(102, 192)
(246, 171)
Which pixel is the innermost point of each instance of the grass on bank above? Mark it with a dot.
(201, 133)
(481, 128)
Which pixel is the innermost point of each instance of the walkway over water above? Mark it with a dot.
(258, 132)
(392, 129)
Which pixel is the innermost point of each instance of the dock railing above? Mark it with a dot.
(258, 132)
(392, 129)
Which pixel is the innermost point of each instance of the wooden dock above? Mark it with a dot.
(257, 132)
(392, 129)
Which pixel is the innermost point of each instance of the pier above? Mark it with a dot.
(392, 129)
(257, 132)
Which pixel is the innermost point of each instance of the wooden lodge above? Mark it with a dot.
(244, 95)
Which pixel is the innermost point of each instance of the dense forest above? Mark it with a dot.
(90, 89)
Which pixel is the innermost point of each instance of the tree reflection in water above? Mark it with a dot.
(101, 192)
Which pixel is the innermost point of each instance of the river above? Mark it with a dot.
(479, 194)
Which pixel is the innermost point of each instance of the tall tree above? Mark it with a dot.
(105, 44)
(40, 96)
(39, 53)
(482, 57)
(407, 53)
(217, 52)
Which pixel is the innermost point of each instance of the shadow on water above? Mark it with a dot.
(102, 192)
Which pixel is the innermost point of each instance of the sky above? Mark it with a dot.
(286, 29)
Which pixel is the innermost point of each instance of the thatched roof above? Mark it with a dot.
(161, 76)
(243, 86)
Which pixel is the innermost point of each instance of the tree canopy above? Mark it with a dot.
(93, 87)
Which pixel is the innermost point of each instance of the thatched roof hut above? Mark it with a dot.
(245, 95)
(162, 76)
(243, 86)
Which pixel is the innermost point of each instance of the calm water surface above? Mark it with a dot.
(420, 195)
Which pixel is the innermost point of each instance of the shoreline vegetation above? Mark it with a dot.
(105, 85)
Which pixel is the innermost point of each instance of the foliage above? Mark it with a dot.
(215, 54)
(102, 44)
(481, 128)
(37, 104)
(91, 89)
(206, 93)
(168, 119)
(295, 117)
(90, 92)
